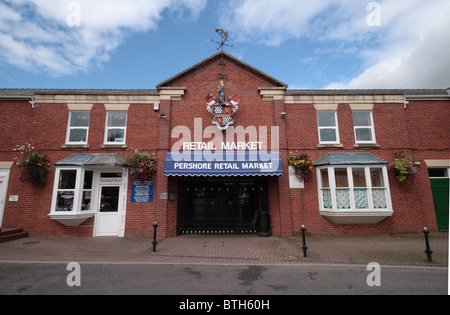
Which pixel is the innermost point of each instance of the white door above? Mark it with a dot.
(108, 215)
(4, 176)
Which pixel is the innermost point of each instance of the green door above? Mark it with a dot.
(440, 188)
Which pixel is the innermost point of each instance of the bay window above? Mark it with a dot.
(73, 190)
(354, 193)
(72, 195)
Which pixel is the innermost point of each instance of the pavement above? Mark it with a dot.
(393, 250)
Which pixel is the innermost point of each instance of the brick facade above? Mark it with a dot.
(419, 129)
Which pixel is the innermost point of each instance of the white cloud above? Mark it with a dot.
(35, 34)
(414, 53)
(409, 49)
(272, 22)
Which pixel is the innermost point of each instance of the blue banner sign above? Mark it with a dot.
(223, 164)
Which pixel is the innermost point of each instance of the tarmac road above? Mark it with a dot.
(199, 280)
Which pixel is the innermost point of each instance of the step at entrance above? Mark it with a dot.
(10, 234)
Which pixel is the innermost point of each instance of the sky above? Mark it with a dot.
(137, 44)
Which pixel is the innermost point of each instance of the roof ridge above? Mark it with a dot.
(221, 53)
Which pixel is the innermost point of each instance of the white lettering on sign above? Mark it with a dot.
(257, 166)
(210, 146)
(224, 166)
(198, 146)
(193, 166)
(251, 146)
(251, 138)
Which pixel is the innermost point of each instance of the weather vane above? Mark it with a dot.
(222, 43)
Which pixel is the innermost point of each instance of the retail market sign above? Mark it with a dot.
(223, 164)
(224, 146)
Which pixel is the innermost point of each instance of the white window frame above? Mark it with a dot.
(335, 128)
(371, 128)
(78, 190)
(107, 128)
(370, 215)
(87, 190)
(70, 128)
(76, 216)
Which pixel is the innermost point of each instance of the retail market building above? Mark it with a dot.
(232, 151)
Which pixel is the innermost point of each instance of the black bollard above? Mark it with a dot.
(428, 251)
(155, 226)
(304, 242)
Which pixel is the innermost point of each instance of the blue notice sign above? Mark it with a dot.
(142, 192)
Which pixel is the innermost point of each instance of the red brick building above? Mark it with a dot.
(223, 104)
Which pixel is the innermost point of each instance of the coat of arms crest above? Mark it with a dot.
(222, 109)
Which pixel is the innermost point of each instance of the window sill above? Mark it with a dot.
(114, 146)
(75, 146)
(71, 219)
(366, 145)
(356, 216)
(337, 145)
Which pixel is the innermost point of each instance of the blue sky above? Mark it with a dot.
(136, 44)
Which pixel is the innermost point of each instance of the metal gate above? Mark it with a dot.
(222, 206)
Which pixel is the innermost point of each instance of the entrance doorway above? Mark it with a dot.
(221, 205)
(108, 211)
(110, 199)
(439, 178)
(440, 188)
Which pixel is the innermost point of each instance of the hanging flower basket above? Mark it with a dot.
(142, 165)
(405, 169)
(303, 166)
(34, 164)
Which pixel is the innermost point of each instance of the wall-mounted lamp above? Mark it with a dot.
(163, 116)
(283, 115)
(156, 107)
